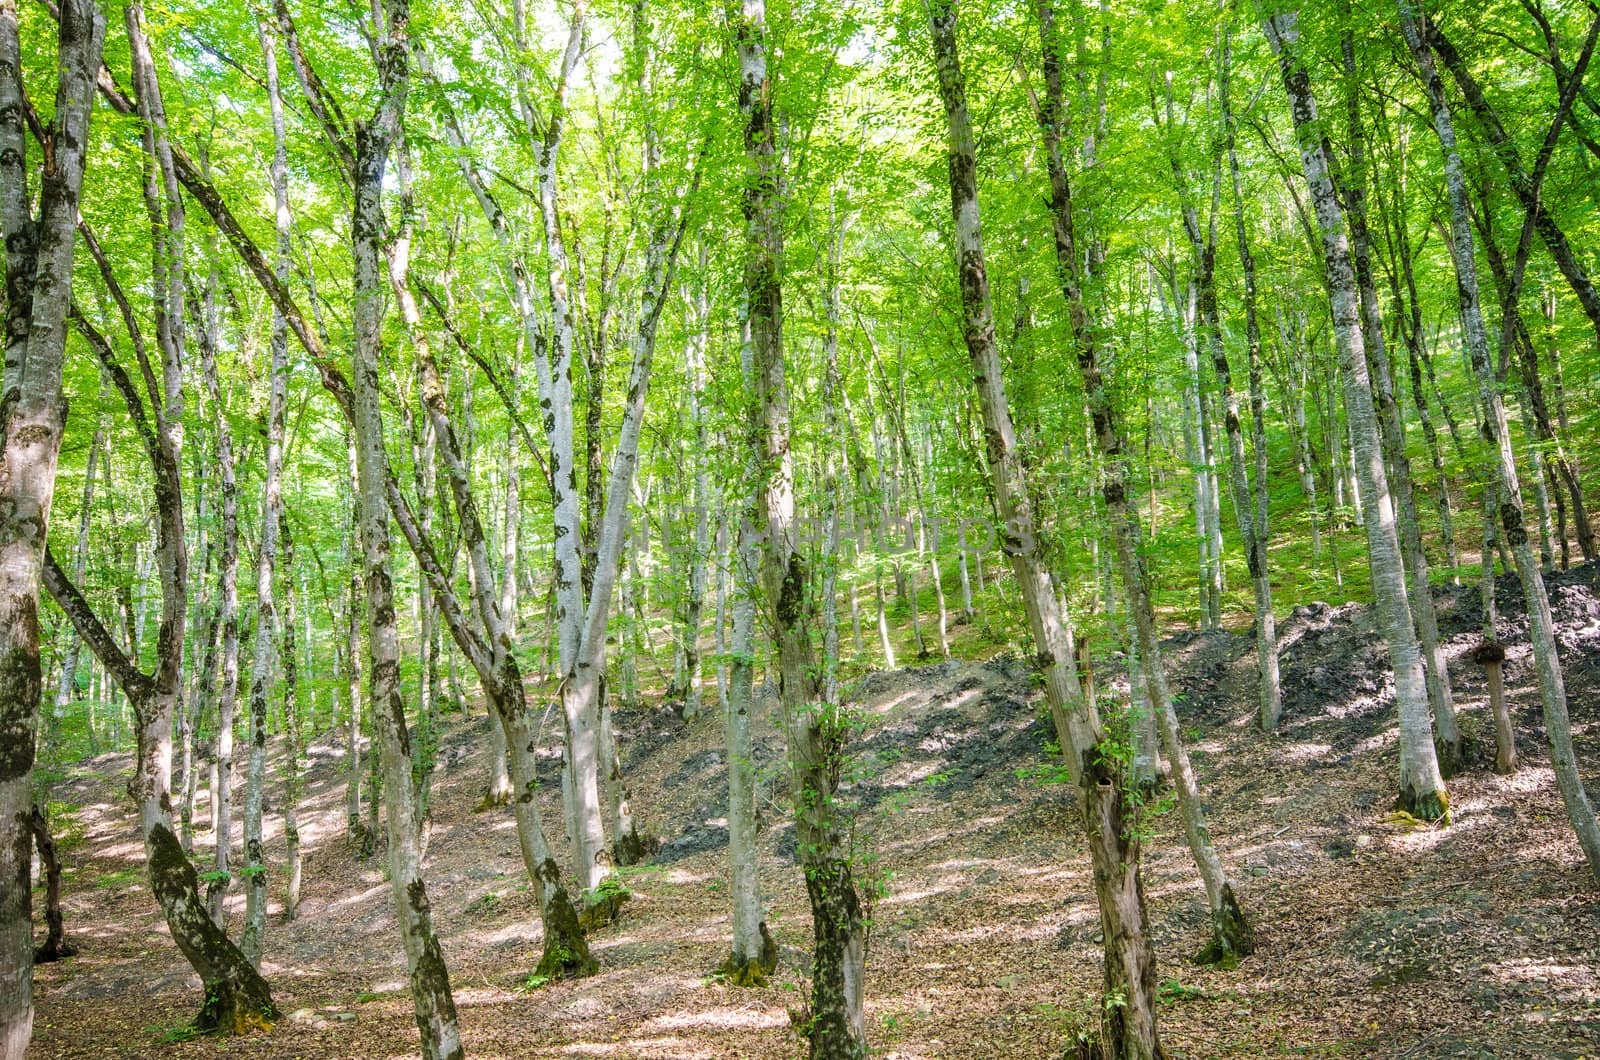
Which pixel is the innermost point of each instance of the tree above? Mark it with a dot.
(38, 287)
(1422, 790)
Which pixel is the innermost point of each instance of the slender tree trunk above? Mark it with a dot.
(358, 835)
(814, 728)
(1422, 790)
(754, 954)
(1450, 749)
(1128, 1026)
(1252, 523)
(1408, 311)
(294, 745)
(1541, 632)
(226, 620)
(430, 980)
(265, 661)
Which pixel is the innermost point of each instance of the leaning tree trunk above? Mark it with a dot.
(1422, 789)
(1541, 627)
(1128, 1027)
(236, 997)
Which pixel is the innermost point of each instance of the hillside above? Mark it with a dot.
(1377, 938)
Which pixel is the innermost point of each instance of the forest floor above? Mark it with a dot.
(1376, 937)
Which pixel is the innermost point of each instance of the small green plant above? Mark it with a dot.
(175, 1033)
(112, 881)
(933, 780)
(1046, 774)
(612, 889)
(1172, 991)
(533, 982)
(487, 904)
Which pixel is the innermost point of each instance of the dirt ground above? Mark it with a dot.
(1376, 938)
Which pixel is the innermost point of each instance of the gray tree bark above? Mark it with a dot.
(1422, 790)
(1541, 627)
(39, 253)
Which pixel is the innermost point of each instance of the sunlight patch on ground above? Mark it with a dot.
(517, 931)
(1305, 753)
(890, 706)
(1376, 741)
(744, 1016)
(666, 1046)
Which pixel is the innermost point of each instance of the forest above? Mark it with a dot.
(867, 528)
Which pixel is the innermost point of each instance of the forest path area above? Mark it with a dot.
(1377, 937)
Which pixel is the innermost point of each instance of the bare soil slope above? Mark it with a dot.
(1377, 938)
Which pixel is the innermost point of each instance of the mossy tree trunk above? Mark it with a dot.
(1127, 1028)
(815, 728)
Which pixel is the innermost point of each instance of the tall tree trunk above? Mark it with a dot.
(226, 619)
(754, 954)
(1422, 790)
(815, 729)
(38, 280)
(1128, 1027)
(1408, 312)
(1252, 524)
(294, 744)
(1450, 749)
(265, 660)
(430, 980)
(358, 835)
(1547, 661)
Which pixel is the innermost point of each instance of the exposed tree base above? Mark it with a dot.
(492, 800)
(1232, 937)
(1453, 755)
(633, 848)
(740, 970)
(236, 1009)
(54, 950)
(566, 951)
(1426, 806)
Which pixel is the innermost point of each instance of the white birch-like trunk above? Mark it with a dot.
(1422, 790)
(1541, 626)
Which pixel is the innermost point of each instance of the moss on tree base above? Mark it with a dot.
(1453, 755)
(1232, 937)
(632, 848)
(229, 1009)
(1426, 806)
(566, 951)
(740, 970)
